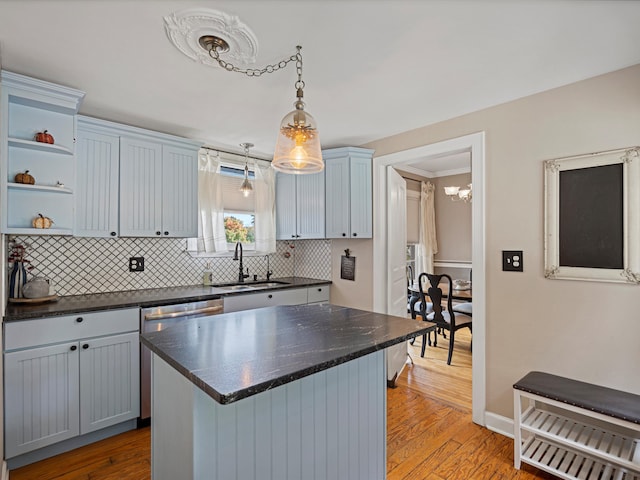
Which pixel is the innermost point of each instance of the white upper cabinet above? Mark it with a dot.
(29, 106)
(140, 188)
(300, 206)
(97, 172)
(348, 192)
(179, 192)
(135, 182)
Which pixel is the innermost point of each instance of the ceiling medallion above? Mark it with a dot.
(186, 27)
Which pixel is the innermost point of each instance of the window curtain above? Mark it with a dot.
(211, 236)
(428, 245)
(264, 189)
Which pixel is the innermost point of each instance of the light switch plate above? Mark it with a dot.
(512, 261)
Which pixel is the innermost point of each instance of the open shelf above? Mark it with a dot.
(40, 188)
(569, 464)
(39, 231)
(43, 147)
(610, 446)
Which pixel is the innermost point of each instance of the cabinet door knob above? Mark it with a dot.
(293, 236)
(269, 296)
(158, 232)
(354, 234)
(79, 319)
(344, 234)
(319, 289)
(73, 348)
(85, 346)
(113, 234)
(166, 233)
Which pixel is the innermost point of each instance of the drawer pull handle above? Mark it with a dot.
(73, 348)
(79, 319)
(270, 296)
(85, 346)
(113, 234)
(319, 289)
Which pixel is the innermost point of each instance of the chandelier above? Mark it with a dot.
(456, 193)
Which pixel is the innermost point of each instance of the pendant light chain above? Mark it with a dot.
(300, 83)
(257, 72)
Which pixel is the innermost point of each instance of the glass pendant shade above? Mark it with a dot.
(298, 146)
(246, 187)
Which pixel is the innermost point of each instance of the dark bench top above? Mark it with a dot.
(607, 401)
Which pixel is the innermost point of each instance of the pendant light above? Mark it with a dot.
(246, 187)
(298, 146)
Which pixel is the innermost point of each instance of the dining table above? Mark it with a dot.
(459, 295)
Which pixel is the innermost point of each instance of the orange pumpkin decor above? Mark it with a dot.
(41, 222)
(25, 178)
(43, 137)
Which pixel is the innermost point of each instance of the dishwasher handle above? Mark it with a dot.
(196, 311)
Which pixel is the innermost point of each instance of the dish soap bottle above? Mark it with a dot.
(207, 276)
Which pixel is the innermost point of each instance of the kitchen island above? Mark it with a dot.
(288, 392)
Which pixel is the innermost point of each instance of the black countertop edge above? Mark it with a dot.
(248, 392)
(72, 304)
(239, 394)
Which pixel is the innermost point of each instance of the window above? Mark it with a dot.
(226, 215)
(411, 259)
(239, 211)
(240, 227)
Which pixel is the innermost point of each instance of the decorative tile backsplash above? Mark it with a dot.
(78, 265)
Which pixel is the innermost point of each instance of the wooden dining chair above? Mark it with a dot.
(466, 307)
(447, 319)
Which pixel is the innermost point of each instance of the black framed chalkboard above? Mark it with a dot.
(591, 227)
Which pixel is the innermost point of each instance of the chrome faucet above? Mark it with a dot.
(241, 275)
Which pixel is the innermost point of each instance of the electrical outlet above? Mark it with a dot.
(136, 264)
(512, 261)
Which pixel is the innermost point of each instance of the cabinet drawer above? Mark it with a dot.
(318, 294)
(50, 330)
(297, 296)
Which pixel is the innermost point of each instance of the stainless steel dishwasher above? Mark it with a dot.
(158, 318)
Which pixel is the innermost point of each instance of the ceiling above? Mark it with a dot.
(372, 69)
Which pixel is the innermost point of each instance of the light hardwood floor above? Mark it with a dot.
(430, 435)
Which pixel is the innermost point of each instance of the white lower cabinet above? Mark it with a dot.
(319, 294)
(73, 387)
(293, 296)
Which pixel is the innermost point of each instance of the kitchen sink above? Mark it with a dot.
(239, 287)
(236, 287)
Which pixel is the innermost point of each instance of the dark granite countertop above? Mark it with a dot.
(139, 298)
(256, 350)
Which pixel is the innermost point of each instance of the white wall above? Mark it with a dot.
(584, 330)
(358, 293)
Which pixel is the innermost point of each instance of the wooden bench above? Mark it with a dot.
(576, 430)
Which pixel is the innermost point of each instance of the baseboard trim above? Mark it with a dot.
(499, 424)
(5, 471)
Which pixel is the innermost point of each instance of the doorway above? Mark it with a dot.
(474, 144)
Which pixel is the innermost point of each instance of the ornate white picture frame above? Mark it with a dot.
(624, 244)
